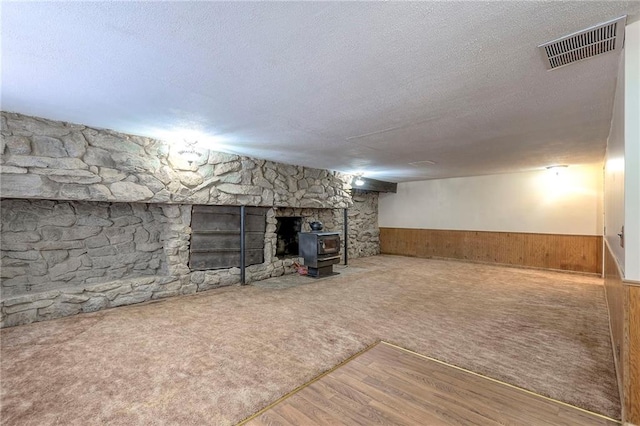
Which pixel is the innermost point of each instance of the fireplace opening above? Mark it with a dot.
(287, 229)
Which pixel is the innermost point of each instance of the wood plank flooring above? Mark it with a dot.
(387, 385)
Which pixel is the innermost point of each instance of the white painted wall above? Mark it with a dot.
(632, 152)
(614, 171)
(622, 162)
(537, 201)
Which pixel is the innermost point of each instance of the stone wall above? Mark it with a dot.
(93, 219)
(48, 244)
(57, 258)
(362, 217)
(62, 161)
(332, 220)
(364, 233)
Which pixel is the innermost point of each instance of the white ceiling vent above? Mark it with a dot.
(602, 38)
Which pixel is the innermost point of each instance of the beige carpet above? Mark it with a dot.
(217, 357)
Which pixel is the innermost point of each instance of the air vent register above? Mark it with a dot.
(599, 39)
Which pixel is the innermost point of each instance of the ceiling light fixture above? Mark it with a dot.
(422, 163)
(359, 181)
(189, 152)
(557, 170)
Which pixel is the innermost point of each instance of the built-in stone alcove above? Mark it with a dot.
(332, 219)
(60, 258)
(48, 245)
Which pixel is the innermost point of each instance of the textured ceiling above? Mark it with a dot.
(346, 86)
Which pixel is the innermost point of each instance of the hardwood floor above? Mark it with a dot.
(387, 385)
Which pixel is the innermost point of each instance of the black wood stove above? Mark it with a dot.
(320, 250)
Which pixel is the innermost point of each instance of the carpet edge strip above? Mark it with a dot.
(502, 383)
(309, 383)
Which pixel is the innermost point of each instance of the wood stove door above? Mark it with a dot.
(329, 244)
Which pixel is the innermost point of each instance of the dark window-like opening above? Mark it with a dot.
(215, 237)
(287, 229)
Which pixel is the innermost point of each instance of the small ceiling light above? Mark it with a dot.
(557, 170)
(422, 163)
(359, 181)
(189, 152)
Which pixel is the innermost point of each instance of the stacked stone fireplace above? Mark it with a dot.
(93, 219)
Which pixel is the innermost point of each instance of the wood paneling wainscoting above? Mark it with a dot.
(623, 301)
(615, 294)
(632, 382)
(579, 253)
